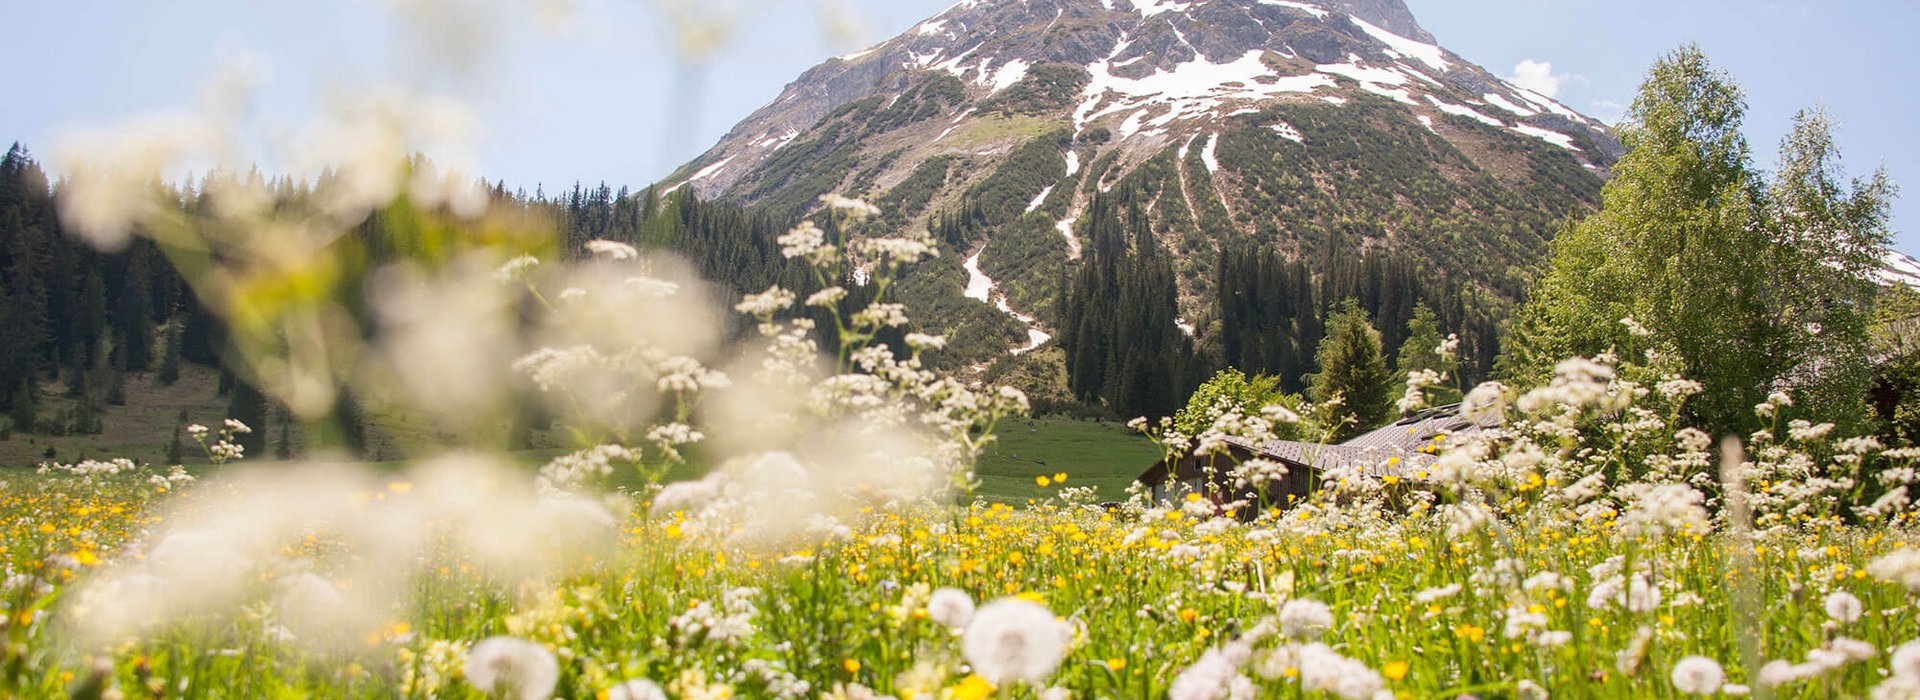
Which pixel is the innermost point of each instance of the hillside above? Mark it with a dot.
(1312, 129)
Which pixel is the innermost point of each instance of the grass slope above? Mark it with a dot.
(1105, 456)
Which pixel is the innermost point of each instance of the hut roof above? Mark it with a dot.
(1397, 449)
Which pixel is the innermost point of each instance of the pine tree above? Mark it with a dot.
(176, 448)
(170, 359)
(247, 405)
(1421, 348)
(1353, 370)
(1421, 351)
(283, 449)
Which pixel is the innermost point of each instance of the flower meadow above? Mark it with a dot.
(1580, 544)
(771, 495)
(1055, 600)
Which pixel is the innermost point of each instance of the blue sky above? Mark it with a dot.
(605, 99)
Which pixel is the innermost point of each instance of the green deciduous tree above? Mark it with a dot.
(1248, 394)
(1753, 287)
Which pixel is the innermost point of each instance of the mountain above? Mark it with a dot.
(1318, 129)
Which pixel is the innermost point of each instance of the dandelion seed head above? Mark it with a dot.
(1843, 606)
(1012, 639)
(512, 668)
(951, 607)
(1697, 675)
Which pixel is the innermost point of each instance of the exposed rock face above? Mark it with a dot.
(1314, 127)
(1377, 46)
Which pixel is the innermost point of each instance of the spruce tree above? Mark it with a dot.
(170, 359)
(1421, 351)
(1353, 370)
(1421, 348)
(176, 448)
(247, 405)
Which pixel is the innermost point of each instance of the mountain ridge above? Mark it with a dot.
(1197, 126)
(992, 44)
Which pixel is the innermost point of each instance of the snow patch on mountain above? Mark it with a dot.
(1363, 74)
(980, 287)
(1508, 105)
(1007, 75)
(1899, 268)
(776, 142)
(1464, 111)
(1149, 8)
(1316, 11)
(711, 169)
(1288, 132)
(1197, 88)
(1554, 137)
(1207, 153)
(1065, 227)
(1039, 199)
(1546, 104)
(1426, 53)
(1396, 94)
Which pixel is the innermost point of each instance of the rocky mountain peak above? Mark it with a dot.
(1007, 128)
(1161, 68)
(1391, 15)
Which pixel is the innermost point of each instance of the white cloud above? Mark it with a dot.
(1539, 77)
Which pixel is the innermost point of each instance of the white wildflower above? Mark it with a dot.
(1305, 618)
(509, 667)
(1906, 660)
(883, 314)
(923, 341)
(1485, 404)
(765, 303)
(1014, 640)
(899, 250)
(636, 689)
(1658, 509)
(827, 298)
(516, 269)
(612, 250)
(950, 607)
(805, 241)
(1698, 676)
(1209, 678)
(851, 207)
(1901, 566)
(1843, 606)
(1435, 594)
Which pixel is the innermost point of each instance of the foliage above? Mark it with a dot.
(1118, 321)
(1426, 350)
(1352, 371)
(1759, 286)
(1047, 87)
(1233, 388)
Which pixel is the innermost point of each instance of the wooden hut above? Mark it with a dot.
(1402, 449)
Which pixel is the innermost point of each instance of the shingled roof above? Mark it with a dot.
(1413, 440)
